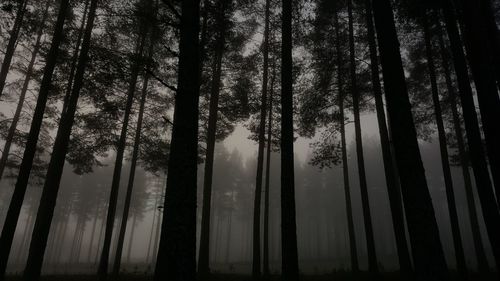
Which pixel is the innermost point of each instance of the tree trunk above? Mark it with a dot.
(428, 253)
(391, 177)
(256, 260)
(204, 253)
(265, 270)
(289, 263)
(370, 240)
(74, 59)
(102, 270)
(133, 164)
(56, 164)
(16, 202)
(448, 182)
(345, 165)
(177, 255)
(479, 54)
(471, 204)
(476, 152)
(24, 90)
(228, 237)
(11, 46)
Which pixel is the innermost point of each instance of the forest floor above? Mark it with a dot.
(340, 276)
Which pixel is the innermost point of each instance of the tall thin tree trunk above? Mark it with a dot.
(428, 253)
(102, 270)
(74, 59)
(53, 177)
(177, 255)
(24, 90)
(482, 261)
(393, 188)
(228, 237)
(480, 54)
(256, 254)
(11, 46)
(31, 143)
(204, 252)
(133, 164)
(345, 165)
(448, 182)
(363, 186)
(289, 263)
(265, 270)
(476, 152)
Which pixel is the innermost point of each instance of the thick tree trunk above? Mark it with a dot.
(133, 164)
(445, 163)
(476, 152)
(428, 253)
(102, 270)
(363, 186)
(24, 90)
(177, 255)
(289, 263)
(483, 70)
(204, 253)
(482, 260)
(393, 188)
(11, 46)
(31, 143)
(56, 164)
(345, 165)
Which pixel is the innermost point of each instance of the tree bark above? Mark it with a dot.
(56, 164)
(289, 263)
(448, 182)
(24, 90)
(428, 253)
(11, 46)
(204, 253)
(345, 165)
(476, 152)
(391, 177)
(16, 202)
(177, 251)
(363, 186)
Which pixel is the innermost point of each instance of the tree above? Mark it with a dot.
(476, 151)
(52, 180)
(177, 255)
(289, 263)
(424, 234)
(391, 177)
(24, 90)
(11, 47)
(445, 162)
(370, 241)
(31, 144)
